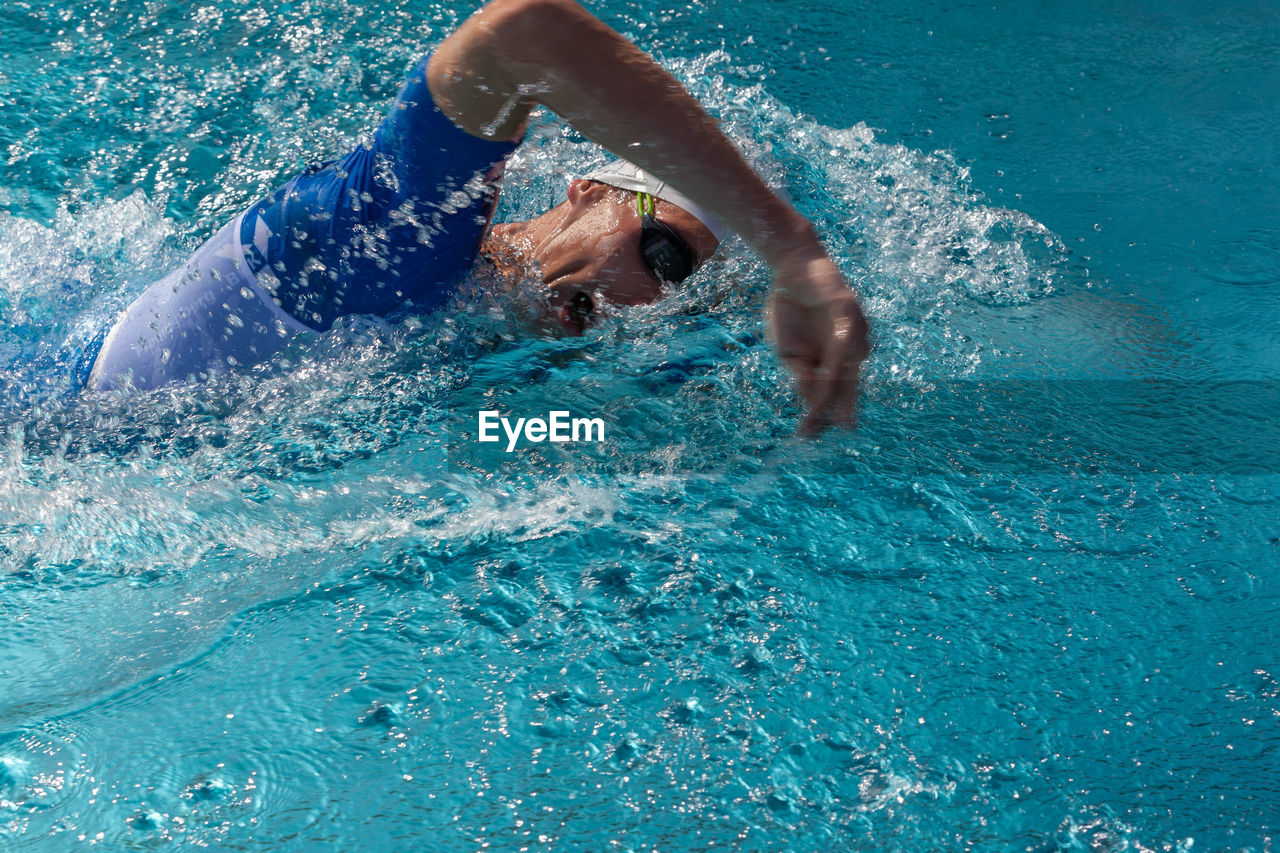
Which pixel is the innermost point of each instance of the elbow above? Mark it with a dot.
(536, 10)
(523, 26)
(487, 65)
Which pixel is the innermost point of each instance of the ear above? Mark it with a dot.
(578, 188)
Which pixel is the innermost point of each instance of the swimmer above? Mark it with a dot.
(395, 223)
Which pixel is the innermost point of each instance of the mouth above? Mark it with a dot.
(575, 315)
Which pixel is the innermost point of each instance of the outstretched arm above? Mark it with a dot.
(515, 54)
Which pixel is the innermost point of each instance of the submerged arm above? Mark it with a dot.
(515, 54)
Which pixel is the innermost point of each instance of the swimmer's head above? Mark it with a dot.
(598, 248)
(628, 176)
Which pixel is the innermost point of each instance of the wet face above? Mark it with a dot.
(586, 251)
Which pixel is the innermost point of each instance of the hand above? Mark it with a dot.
(821, 333)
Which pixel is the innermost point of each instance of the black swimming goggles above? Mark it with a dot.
(663, 252)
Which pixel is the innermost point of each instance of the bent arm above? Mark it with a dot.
(515, 54)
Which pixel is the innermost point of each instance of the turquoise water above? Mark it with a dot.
(1030, 605)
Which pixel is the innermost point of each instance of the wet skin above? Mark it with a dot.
(586, 251)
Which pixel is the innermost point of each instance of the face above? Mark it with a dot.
(586, 251)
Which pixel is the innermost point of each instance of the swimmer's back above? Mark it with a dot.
(391, 225)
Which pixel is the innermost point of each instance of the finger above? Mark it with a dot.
(803, 370)
(834, 390)
(835, 410)
(836, 403)
(794, 344)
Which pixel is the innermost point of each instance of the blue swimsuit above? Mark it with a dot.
(391, 225)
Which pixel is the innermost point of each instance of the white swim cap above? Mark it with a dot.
(626, 175)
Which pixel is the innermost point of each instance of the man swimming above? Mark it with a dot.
(395, 223)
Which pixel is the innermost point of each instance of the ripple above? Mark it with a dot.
(298, 608)
(1217, 581)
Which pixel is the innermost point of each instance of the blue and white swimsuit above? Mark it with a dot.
(391, 225)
